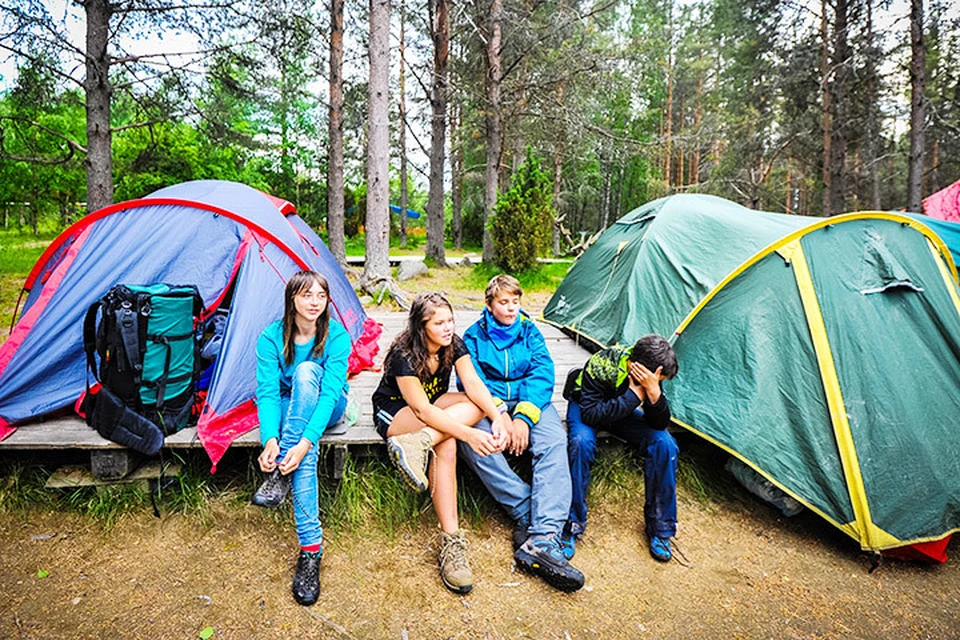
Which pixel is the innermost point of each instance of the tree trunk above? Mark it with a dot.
(99, 162)
(697, 120)
(668, 125)
(840, 98)
(493, 124)
(456, 175)
(825, 106)
(336, 238)
(558, 152)
(377, 265)
(440, 31)
(871, 99)
(917, 87)
(403, 127)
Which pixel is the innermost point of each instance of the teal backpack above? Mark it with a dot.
(146, 340)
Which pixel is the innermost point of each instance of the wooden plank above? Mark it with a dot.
(72, 433)
(72, 476)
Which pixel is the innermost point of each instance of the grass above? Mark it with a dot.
(369, 495)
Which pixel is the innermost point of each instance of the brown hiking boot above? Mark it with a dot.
(410, 453)
(454, 568)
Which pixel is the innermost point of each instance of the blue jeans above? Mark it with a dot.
(547, 501)
(297, 411)
(659, 469)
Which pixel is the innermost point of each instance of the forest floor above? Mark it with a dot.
(748, 573)
(745, 572)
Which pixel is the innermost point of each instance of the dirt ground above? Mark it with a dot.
(749, 574)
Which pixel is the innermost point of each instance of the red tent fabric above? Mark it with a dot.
(944, 204)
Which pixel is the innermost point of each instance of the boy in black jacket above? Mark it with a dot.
(619, 391)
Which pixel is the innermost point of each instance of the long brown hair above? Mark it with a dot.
(297, 284)
(411, 343)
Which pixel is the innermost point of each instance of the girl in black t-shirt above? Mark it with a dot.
(417, 415)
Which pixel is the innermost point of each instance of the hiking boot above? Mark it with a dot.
(660, 549)
(410, 453)
(273, 490)
(454, 568)
(520, 534)
(541, 556)
(306, 578)
(568, 544)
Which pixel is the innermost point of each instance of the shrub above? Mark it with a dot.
(523, 218)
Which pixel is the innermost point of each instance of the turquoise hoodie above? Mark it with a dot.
(274, 378)
(513, 362)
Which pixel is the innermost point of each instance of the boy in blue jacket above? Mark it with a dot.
(511, 358)
(619, 391)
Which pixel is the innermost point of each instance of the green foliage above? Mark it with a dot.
(521, 226)
(542, 277)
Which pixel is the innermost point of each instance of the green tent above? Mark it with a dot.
(823, 352)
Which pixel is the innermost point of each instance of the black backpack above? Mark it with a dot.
(146, 340)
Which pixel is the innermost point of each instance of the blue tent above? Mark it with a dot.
(236, 244)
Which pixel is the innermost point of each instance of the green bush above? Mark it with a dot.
(521, 226)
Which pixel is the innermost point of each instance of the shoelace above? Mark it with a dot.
(454, 551)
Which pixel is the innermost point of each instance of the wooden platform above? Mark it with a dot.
(73, 433)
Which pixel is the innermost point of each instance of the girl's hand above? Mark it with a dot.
(292, 460)
(482, 442)
(268, 457)
(501, 429)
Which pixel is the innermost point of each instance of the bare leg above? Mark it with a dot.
(443, 480)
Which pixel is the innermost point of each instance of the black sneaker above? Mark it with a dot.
(306, 578)
(520, 534)
(542, 556)
(273, 490)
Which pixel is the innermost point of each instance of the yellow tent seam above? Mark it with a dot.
(951, 287)
(835, 405)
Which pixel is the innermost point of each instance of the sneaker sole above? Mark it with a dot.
(462, 590)
(266, 504)
(555, 579)
(400, 462)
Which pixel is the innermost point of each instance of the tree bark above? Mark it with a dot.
(377, 266)
(440, 31)
(826, 125)
(918, 79)
(558, 152)
(871, 99)
(99, 161)
(403, 126)
(494, 142)
(456, 175)
(336, 238)
(840, 99)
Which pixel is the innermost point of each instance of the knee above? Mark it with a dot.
(663, 446)
(582, 443)
(446, 451)
(307, 372)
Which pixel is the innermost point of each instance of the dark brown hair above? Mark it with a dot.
(654, 351)
(296, 285)
(411, 343)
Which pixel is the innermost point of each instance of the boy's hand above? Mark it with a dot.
(521, 437)
(648, 381)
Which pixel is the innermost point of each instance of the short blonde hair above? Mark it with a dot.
(501, 283)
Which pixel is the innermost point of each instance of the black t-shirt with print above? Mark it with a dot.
(388, 391)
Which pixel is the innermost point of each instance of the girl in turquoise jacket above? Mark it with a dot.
(301, 390)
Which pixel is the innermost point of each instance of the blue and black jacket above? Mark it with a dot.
(605, 396)
(513, 363)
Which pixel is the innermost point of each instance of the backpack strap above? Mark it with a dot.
(90, 338)
(128, 321)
